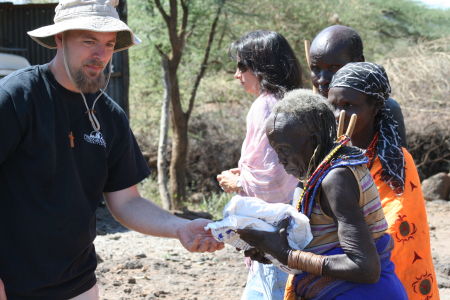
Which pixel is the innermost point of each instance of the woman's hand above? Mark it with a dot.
(274, 243)
(235, 171)
(228, 180)
(255, 254)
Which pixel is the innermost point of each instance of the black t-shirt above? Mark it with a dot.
(49, 191)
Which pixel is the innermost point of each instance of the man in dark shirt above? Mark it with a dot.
(64, 146)
(331, 49)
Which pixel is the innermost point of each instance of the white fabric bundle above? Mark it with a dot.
(253, 213)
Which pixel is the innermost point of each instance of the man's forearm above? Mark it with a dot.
(144, 216)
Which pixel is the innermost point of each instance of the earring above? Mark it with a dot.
(311, 160)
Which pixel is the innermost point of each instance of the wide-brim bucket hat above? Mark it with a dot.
(91, 15)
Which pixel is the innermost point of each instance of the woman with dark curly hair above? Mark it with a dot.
(266, 68)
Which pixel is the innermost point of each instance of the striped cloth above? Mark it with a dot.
(324, 229)
(325, 242)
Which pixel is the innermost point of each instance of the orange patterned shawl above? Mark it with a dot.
(408, 226)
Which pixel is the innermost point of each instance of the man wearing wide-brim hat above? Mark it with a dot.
(65, 144)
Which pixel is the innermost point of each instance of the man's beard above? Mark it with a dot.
(87, 84)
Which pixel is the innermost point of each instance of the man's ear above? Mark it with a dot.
(58, 40)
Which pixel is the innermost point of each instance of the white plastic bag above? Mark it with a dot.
(253, 213)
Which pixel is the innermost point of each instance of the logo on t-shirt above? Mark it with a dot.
(96, 138)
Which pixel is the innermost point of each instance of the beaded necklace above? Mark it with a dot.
(371, 151)
(306, 202)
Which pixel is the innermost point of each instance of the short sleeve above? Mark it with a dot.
(126, 164)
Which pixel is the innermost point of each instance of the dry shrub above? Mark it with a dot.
(216, 132)
(420, 83)
(215, 139)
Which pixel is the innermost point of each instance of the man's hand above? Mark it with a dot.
(228, 180)
(2, 291)
(195, 238)
(274, 243)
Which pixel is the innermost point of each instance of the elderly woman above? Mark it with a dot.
(363, 89)
(349, 256)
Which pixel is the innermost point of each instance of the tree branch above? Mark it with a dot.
(174, 10)
(427, 154)
(162, 12)
(185, 7)
(184, 21)
(191, 30)
(222, 34)
(163, 55)
(176, 40)
(171, 21)
(204, 64)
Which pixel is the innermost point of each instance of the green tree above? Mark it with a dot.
(178, 33)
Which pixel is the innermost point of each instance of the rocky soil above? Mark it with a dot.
(135, 266)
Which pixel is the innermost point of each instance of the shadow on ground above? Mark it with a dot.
(106, 224)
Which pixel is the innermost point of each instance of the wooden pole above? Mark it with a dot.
(307, 46)
(341, 125)
(351, 126)
(166, 200)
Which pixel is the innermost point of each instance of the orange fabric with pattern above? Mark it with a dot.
(408, 226)
(289, 292)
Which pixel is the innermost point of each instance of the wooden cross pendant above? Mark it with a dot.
(71, 140)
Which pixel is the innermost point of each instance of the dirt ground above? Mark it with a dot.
(135, 266)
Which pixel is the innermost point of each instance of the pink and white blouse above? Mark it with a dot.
(262, 175)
